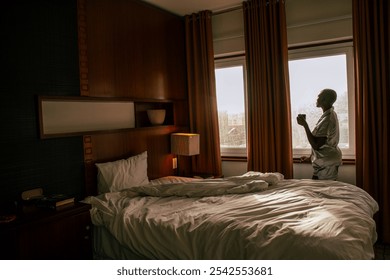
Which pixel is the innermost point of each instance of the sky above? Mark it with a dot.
(230, 89)
(307, 78)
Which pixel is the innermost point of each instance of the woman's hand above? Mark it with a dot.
(301, 119)
(305, 159)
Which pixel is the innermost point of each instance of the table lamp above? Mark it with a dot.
(184, 144)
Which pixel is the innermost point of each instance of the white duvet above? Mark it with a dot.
(254, 216)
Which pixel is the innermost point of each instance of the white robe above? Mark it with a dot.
(327, 159)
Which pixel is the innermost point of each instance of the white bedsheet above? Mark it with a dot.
(283, 219)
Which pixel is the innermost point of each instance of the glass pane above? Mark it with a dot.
(231, 106)
(307, 78)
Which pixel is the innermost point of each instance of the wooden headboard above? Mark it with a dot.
(121, 145)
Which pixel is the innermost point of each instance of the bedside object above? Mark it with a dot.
(32, 194)
(7, 218)
(184, 144)
(39, 234)
(156, 116)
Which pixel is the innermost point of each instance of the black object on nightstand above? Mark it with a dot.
(43, 234)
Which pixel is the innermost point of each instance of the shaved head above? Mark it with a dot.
(330, 96)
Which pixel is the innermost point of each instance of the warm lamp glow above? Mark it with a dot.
(185, 144)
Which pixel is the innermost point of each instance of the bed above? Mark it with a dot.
(252, 216)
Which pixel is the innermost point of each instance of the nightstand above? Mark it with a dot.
(44, 234)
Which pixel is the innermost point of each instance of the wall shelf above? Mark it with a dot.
(63, 116)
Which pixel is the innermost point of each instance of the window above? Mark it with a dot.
(311, 70)
(230, 85)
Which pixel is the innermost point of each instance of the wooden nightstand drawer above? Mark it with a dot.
(46, 234)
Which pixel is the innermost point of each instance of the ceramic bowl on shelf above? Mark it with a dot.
(156, 116)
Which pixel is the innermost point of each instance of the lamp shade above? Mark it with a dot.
(185, 144)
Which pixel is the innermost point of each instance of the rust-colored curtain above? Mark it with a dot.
(202, 92)
(269, 109)
(371, 31)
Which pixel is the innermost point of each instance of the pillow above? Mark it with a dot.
(122, 174)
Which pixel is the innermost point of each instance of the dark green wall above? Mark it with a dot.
(38, 56)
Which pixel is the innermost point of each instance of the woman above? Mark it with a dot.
(324, 139)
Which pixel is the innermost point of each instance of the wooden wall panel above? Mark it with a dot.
(132, 50)
(111, 147)
(135, 50)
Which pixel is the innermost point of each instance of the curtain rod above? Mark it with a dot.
(226, 10)
(233, 8)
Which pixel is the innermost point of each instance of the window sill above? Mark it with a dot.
(345, 161)
(239, 159)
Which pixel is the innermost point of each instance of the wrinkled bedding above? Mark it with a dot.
(253, 216)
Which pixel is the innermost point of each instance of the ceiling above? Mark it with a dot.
(186, 7)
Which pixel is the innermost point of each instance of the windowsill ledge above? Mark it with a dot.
(344, 161)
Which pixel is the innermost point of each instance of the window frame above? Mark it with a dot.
(329, 50)
(225, 62)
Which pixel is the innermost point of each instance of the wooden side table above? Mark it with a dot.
(48, 234)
